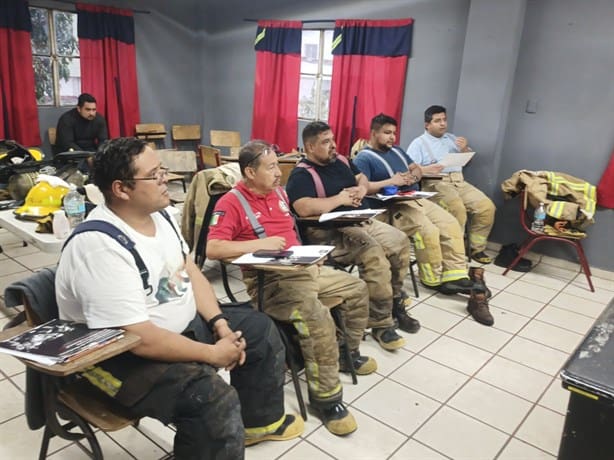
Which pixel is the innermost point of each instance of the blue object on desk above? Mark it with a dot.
(390, 190)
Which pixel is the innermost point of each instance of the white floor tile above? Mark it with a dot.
(565, 319)
(387, 361)
(599, 283)
(457, 355)
(397, 406)
(436, 319)
(518, 450)
(532, 291)
(506, 320)
(302, 451)
(583, 291)
(460, 436)
(542, 429)
(9, 267)
(136, 443)
(456, 304)
(429, 378)
(423, 338)
(372, 441)
(19, 442)
(160, 434)
(478, 335)
(514, 377)
(534, 355)
(550, 335)
(491, 405)
(545, 280)
(581, 305)
(516, 303)
(38, 260)
(12, 405)
(558, 271)
(413, 450)
(555, 398)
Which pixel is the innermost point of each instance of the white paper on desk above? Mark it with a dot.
(409, 196)
(352, 213)
(308, 250)
(452, 160)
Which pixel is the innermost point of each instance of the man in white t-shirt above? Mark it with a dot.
(171, 375)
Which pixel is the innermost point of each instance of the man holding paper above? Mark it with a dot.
(437, 236)
(431, 151)
(254, 216)
(325, 182)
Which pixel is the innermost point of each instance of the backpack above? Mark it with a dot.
(114, 232)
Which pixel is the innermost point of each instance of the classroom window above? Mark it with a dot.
(316, 74)
(55, 57)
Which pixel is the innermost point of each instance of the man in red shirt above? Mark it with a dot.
(293, 296)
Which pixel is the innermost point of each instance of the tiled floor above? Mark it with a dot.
(458, 390)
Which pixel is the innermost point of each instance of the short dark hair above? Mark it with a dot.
(250, 154)
(85, 97)
(432, 110)
(313, 129)
(380, 120)
(114, 160)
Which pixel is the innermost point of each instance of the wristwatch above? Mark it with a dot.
(212, 321)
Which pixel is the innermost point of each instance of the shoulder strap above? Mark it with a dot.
(317, 180)
(379, 158)
(402, 157)
(109, 229)
(258, 229)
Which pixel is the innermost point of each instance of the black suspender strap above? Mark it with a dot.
(258, 229)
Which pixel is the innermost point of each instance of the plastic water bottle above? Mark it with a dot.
(74, 205)
(539, 218)
(61, 226)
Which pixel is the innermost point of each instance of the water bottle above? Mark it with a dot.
(74, 205)
(61, 226)
(539, 218)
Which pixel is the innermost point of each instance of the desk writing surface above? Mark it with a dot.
(591, 367)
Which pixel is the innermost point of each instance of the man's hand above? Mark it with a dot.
(435, 168)
(356, 194)
(347, 197)
(273, 243)
(399, 179)
(229, 351)
(461, 143)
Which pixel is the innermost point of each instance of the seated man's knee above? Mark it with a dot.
(209, 396)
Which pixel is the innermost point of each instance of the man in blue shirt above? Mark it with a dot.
(437, 235)
(453, 192)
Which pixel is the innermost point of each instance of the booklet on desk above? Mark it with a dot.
(411, 195)
(301, 255)
(362, 214)
(58, 341)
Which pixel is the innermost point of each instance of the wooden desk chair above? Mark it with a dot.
(151, 132)
(51, 133)
(230, 140)
(186, 134)
(286, 168)
(56, 399)
(535, 237)
(209, 157)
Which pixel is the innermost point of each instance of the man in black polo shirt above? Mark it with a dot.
(81, 128)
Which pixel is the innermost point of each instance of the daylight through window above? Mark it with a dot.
(55, 53)
(316, 74)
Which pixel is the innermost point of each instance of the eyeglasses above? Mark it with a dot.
(258, 155)
(158, 176)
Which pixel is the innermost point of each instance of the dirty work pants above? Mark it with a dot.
(293, 296)
(381, 253)
(209, 414)
(459, 198)
(437, 237)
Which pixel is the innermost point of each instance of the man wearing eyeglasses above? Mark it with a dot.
(293, 296)
(185, 335)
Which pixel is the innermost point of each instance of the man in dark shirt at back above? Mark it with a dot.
(81, 128)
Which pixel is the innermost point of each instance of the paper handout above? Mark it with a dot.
(452, 160)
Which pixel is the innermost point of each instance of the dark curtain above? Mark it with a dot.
(108, 65)
(276, 88)
(369, 68)
(18, 110)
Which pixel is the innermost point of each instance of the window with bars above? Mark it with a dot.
(55, 56)
(316, 74)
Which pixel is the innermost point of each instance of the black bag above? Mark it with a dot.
(16, 159)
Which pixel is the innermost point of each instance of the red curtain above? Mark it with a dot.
(18, 110)
(369, 68)
(276, 88)
(108, 65)
(605, 189)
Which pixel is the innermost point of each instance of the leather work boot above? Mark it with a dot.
(337, 418)
(401, 317)
(363, 365)
(477, 306)
(388, 338)
(476, 274)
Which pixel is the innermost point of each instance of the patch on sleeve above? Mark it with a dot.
(215, 217)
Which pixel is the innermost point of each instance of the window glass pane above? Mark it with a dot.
(310, 51)
(70, 80)
(67, 42)
(43, 76)
(327, 57)
(324, 98)
(40, 31)
(307, 98)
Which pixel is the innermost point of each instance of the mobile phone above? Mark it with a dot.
(271, 254)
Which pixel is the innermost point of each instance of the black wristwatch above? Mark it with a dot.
(212, 321)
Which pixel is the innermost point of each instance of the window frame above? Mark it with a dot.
(54, 56)
(319, 76)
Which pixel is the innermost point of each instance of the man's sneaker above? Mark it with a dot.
(481, 257)
(462, 286)
(478, 309)
(337, 419)
(292, 427)
(401, 317)
(388, 338)
(363, 365)
(476, 274)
